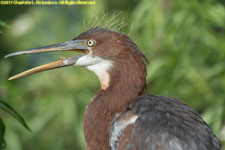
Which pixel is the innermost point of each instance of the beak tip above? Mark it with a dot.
(13, 54)
(9, 55)
(11, 78)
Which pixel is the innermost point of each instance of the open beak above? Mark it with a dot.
(75, 45)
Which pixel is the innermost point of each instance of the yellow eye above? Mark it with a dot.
(90, 43)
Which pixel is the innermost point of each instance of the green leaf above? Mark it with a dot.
(4, 24)
(2, 131)
(7, 108)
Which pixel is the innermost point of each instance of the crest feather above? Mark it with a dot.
(111, 22)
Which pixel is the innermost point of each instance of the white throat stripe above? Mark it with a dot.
(97, 65)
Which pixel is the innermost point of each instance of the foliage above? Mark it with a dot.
(2, 132)
(7, 108)
(184, 41)
(3, 24)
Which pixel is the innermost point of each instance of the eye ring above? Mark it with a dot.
(90, 43)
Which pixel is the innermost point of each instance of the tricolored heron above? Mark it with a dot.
(119, 117)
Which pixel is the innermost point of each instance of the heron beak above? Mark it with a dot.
(75, 45)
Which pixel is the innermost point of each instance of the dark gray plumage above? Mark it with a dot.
(165, 123)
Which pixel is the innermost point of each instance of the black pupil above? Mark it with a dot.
(90, 42)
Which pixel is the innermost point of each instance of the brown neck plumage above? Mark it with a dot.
(127, 80)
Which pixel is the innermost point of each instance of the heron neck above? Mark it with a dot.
(126, 82)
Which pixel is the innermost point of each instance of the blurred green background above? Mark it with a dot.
(183, 39)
